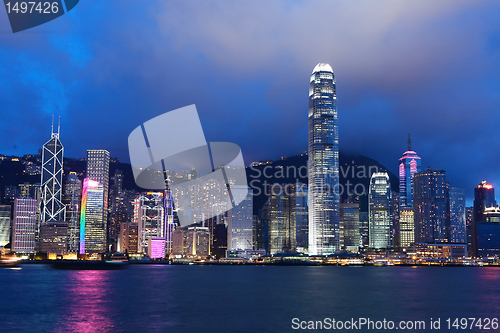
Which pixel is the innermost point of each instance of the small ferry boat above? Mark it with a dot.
(8, 262)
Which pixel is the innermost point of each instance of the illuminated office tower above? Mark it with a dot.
(92, 224)
(128, 238)
(286, 208)
(149, 216)
(5, 211)
(469, 216)
(156, 248)
(350, 237)
(430, 205)
(52, 208)
(72, 199)
(169, 220)
(406, 227)
(53, 237)
(179, 241)
(197, 241)
(118, 209)
(484, 197)
(239, 229)
(299, 213)
(409, 165)
(364, 222)
(458, 233)
(488, 231)
(379, 206)
(24, 225)
(395, 219)
(323, 162)
(98, 170)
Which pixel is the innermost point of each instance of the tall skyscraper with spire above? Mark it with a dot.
(409, 165)
(323, 163)
(52, 208)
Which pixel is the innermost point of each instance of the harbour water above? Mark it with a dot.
(163, 298)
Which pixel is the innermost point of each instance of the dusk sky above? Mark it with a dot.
(429, 68)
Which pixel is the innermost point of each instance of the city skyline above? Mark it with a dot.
(417, 70)
(249, 166)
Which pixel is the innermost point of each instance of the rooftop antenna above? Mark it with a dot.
(55, 135)
(409, 142)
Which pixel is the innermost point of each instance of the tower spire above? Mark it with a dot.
(52, 126)
(59, 126)
(409, 142)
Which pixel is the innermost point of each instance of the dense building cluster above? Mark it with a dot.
(90, 212)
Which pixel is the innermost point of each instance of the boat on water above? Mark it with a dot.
(88, 264)
(9, 262)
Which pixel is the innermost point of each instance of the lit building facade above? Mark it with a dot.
(179, 241)
(128, 238)
(156, 248)
(286, 207)
(92, 223)
(5, 211)
(488, 230)
(53, 237)
(72, 199)
(198, 241)
(406, 227)
(379, 209)
(458, 233)
(98, 170)
(484, 197)
(323, 162)
(409, 165)
(350, 236)
(169, 220)
(52, 208)
(24, 225)
(149, 216)
(239, 228)
(431, 206)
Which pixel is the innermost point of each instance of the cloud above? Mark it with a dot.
(425, 67)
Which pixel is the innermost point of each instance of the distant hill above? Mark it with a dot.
(355, 169)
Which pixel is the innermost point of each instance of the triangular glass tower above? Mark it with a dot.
(52, 208)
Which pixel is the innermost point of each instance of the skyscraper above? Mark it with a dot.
(458, 232)
(24, 225)
(350, 236)
(98, 171)
(379, 206)
(323, 162)
(286, 209)
(488, 233)
(484, 198)
(4, 224)
(430, 205)
(149, 216)
(72, 198)
(406, 227)
(92, 224)
(409, 165)
(168, 206)
(239, 229)
(52, 209)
